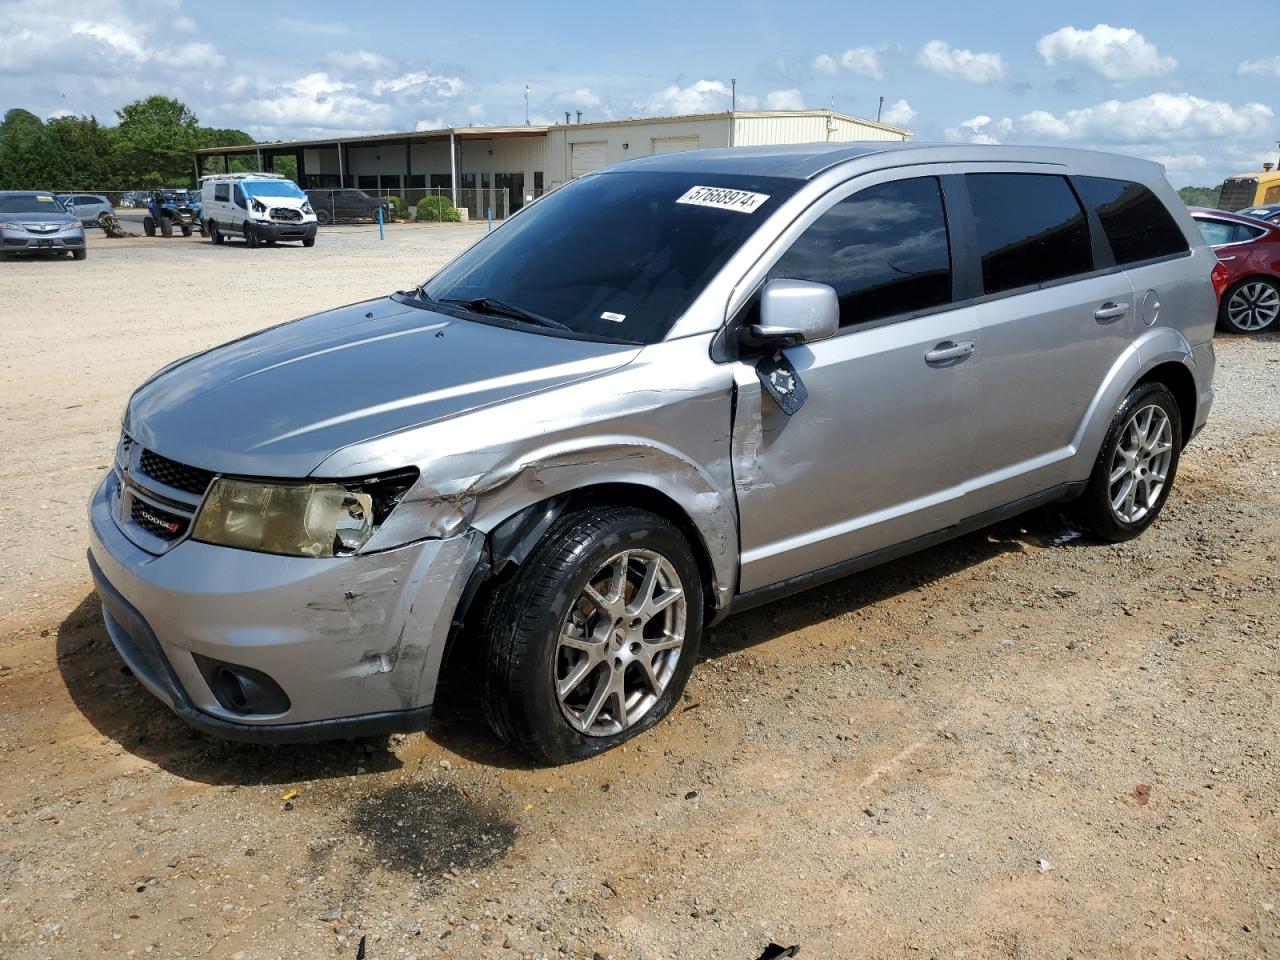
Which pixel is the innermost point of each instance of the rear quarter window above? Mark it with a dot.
(1031, 229)
(1136, 224)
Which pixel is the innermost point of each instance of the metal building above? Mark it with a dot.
(502, 168)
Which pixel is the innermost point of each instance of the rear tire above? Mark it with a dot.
(149, 226)
(215, 235)
(250, 238)
(1135, 468)
(631, 648)
(323, 217)
(1250, 306)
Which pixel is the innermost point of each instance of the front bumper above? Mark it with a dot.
(283, 231)
(12, 241)
(355, 643)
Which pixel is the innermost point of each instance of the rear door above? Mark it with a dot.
(880, 452)
(1055, 319)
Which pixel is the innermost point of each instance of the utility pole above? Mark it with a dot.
(733, 95)
(880, 110)
(579, 116)
(526, 105)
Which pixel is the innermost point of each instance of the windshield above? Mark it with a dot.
(616, 255)
(38, 203)
(273, 188)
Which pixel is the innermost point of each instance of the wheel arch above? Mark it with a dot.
(1182, 385)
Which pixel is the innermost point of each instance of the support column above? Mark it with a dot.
(453, 167)
(341, 174)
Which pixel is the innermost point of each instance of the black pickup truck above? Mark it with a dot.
(332, 206)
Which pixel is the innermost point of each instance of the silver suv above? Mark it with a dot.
(666, 392)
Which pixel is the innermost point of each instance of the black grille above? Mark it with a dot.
(174, 474)
(286, 214)
(157, 522)
(1238, 193)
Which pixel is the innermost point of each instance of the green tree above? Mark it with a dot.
(1200, 196)
(219, 137)
(24, 150)
(79, 154)
(155, 140)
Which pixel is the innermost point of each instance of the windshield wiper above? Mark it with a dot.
(498, 308)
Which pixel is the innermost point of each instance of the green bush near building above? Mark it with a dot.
(438, 209)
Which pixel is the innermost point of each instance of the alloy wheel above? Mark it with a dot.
(1140, 464)
(620, 643)
(1254, 306)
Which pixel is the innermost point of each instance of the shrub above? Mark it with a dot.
(437, 208)
(398, 203)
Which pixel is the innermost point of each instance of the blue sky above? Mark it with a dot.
(1133, 77)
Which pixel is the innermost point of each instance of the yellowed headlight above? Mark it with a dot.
(297, 520)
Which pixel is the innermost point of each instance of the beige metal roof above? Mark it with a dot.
(489, 133)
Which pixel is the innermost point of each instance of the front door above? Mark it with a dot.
(880, 453)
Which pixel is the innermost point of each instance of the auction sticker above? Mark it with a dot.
(723, 198)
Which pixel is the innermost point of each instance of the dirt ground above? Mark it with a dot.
(1019, 745)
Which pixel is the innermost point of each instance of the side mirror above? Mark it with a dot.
(794, 312)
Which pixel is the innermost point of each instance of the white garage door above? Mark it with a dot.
(674, 144)
(585, 157)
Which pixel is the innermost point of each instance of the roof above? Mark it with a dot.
(376, 139)
(489, 133)
(804, 161)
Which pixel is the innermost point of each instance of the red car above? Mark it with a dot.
(1247, 277)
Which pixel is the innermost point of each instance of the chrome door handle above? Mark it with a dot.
(1110, 311)
(947, 351)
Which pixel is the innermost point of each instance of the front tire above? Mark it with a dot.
(149, 226)
(1135, 469)
(591, 641)
(250, 238)
(166, 227)
(1251, 306)
(309, 242)
(186, 229)
(79, 254)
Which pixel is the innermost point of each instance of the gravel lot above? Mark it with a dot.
(1018, 745)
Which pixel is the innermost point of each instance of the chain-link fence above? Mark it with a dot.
(332, 204)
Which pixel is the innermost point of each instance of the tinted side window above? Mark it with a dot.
(884, 249)
(222, 192)
(1135, 221)
(1031, 229)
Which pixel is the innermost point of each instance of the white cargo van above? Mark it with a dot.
(259, 207)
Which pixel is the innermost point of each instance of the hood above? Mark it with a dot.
(278, 402)
(33, 221)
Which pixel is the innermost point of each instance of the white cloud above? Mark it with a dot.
(1116, 53)
(825, 63)
(436, 124)
(582, 97)
(702, 96)
(1152, 119)
(784, 100)
(899, 114)
(1269, 67)
(357, 61)
(185, 24)
(981, 129)
(958, 64)
(316, 102)
(860, 61)
(432, 84)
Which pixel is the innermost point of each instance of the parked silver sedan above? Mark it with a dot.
(670, 390)
(32, 222)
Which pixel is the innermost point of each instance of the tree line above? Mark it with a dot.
(151, 145)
